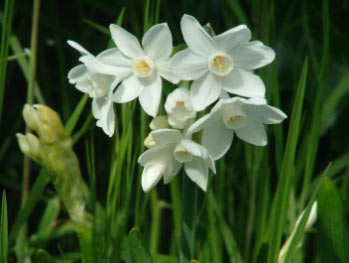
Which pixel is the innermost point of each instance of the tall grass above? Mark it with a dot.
(252, 203)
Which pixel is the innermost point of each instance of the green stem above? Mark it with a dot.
(86, 242)
(189, 197)
(22, 238)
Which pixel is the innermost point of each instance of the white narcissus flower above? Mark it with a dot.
(87, 78)
(178, 108)
(221, 63)
(171, 151)
(244, 117)
(140, 68)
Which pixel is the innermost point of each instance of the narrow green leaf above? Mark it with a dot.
(47, 221)
(96, 26)
(333, 224)
(23, 63)
(294, 243)
(331, 103)
(136, 250)
(74, 117)
(33, 198)
(4, 47)
(228, 237)
(282, 194)
(238, 11)
(3, 230)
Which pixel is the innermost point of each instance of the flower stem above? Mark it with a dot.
(188, 219)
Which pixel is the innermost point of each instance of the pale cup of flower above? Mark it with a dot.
(178, 107)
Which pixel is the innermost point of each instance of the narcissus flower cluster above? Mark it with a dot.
(213, 70)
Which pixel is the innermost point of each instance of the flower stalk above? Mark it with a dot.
(189, 200)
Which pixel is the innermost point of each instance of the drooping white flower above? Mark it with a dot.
(178, 108)
(220, 63)
(140, 68)
(243, 117)
(87, 78)
(171, 151)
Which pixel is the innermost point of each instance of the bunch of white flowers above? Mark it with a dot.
(217, 66)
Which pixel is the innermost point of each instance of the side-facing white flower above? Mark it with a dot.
(87, 78)
(244, 117)
(173, 150)
(178, 108)
(223, 62)
(140, 68)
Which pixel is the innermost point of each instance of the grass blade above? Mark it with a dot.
(5, 38)
(3, 230)
(282, 193)
(74, 117)
(333, 224)
(33, 197)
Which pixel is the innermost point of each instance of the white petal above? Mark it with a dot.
(126, 42)
(164, 69)
(171, 170)
(77, 73)
(128, 90)
(194, 148)
(158, 153)
(265, 113)
(107, 118)
(78, 47)
(217, 139)
(197, 171)
(204, 91)
(166, 136)
(243, 83)
(113, 62)
(157, 42)
(252, 55)
(151, 175)
(189, 66)
(150, 96)
(232, 37)
(200, 124)
(96, 107)
(197, 39)
(253, 133)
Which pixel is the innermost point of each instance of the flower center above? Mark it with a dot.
(234, 120)
(220, 63)
(143, 67)
(181, 154)
(180, 104)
